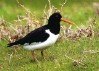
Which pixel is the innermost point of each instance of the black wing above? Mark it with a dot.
(38, 35)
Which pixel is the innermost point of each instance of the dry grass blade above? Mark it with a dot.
(75, 62)
(49, 12)
(82, 31)
(62, 5)
(91, 51)
(96, 7)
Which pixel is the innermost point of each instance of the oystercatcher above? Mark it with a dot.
(41, 38)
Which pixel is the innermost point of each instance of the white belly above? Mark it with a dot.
(42, 45)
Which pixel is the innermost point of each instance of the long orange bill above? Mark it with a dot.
(67, 21)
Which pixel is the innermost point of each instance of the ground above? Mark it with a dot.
(67, 54)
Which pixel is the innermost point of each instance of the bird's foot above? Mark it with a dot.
(42, 54)
(34, 60)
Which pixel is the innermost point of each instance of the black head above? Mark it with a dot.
(54, 22)
(55, 18)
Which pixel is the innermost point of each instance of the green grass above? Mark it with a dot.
(62, 55)
(56, 57)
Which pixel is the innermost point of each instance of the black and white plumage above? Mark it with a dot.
(42, 37)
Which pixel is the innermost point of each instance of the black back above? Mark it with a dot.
(39, 34)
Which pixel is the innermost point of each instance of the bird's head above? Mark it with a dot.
(56, 18)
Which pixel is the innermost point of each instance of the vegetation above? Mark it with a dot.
(77, 50)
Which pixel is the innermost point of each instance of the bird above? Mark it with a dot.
(42, 37)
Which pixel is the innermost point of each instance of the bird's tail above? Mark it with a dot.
(11, 44)
(20, 41)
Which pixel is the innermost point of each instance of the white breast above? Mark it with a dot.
(41, 45)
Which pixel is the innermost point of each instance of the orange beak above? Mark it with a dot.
(67, 21)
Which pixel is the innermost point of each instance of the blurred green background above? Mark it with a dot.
(80, 12)
(10, 8)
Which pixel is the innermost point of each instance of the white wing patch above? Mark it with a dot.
(41, 45)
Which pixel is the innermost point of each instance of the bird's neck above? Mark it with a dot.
(54, 28)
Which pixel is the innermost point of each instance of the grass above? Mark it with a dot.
(60, 57)
(65, 55)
